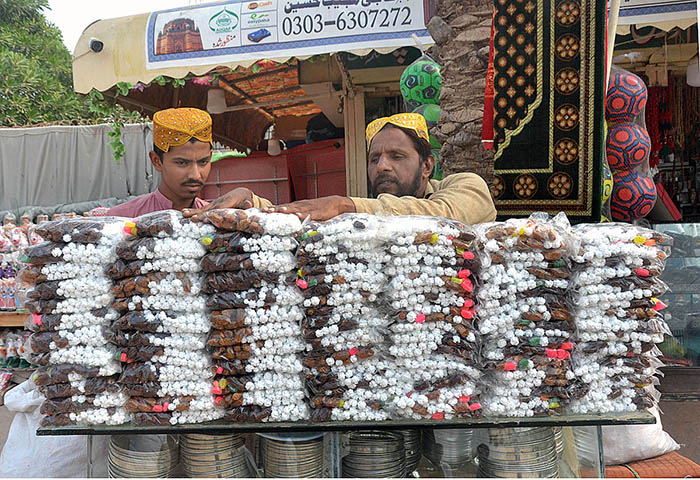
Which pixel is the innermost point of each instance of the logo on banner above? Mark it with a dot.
(254, 5)
(223, 22)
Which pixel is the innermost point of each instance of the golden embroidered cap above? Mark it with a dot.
(176, 126)
(412, 121)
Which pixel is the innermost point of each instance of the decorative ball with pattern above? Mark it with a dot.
(420, 83)
(627, 97)
(633, 196)
(628, 146)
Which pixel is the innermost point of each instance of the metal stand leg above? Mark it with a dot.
(601, 454)
(335, 450)
(89, 456)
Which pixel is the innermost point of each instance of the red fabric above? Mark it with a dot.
(487, 124)
(652, 124)
(670, 465)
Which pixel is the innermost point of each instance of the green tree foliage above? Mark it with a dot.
(36, 83)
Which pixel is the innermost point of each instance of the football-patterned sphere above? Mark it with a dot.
(633, 196)
(627, 97)
(607, 183)
(420, 84)
(627, 146)
(430, 112)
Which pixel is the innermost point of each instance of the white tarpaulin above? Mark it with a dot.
(245, 30)
(57, 164)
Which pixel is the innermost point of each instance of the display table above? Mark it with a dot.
(588, 426)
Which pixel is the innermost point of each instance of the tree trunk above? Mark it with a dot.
(461, 30)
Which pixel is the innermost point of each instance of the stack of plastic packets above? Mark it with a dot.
(618, 317)
(256, 340)
(524, 315)
(341, 275)
(430, 296)
(71, 302)
(163, 324)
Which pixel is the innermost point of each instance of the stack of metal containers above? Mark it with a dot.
(374, 454)
(528, 452)
(214, 456)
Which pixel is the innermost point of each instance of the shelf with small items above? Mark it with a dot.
(13, 318)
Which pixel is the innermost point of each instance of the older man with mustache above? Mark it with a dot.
(399, 167)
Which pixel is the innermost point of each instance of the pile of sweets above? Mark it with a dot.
(618, 317)
(524, 315)
(70, 301)
(255, 341)
(341, 275)
(163, 325)
(431, 269)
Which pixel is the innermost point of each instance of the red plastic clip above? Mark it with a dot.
(438, 416)
(510, 366)
(420, 318)
(353, 351)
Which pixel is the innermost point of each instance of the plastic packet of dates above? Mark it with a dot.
(86, 355)
(83, 254)
(55, 322)
(71, 288)
(242, 280)
(264, 261)
(159, 389)
(158, 321)
(81, 230)
(253, 221)
(150, 248)
(179, 303)
(158, 283)
(268, 294)
(96, 416)
(82, 402)
(45, 342)
(35, 274)
(68, 305)
(123, 269)
(185, 342)
(167, 223)
(159, 405)
(152, 372)
(86, 386)
(66, 373)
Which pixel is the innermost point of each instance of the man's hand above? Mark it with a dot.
(238, 198)
(319, 209)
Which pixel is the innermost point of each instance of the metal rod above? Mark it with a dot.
(327, 172)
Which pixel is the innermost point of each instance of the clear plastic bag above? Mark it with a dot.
(149, 248)
(230, 242)
(166, 223)
(157, 405)
(238, 281)
(217, 262)
(87, 386)
(155, 283)
(63, 374)
(78, 230)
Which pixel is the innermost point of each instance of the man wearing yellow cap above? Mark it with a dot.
(182, 141)
(399, 166)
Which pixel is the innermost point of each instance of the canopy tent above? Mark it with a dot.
(273, 61)
(662, 14)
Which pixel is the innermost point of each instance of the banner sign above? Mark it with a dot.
(637, 12)
(251, 30)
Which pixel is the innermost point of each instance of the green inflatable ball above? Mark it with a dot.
(420, 83)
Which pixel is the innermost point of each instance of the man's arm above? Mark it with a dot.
(463, 196)
(238, 198)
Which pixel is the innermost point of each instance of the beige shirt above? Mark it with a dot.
(463, 196)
